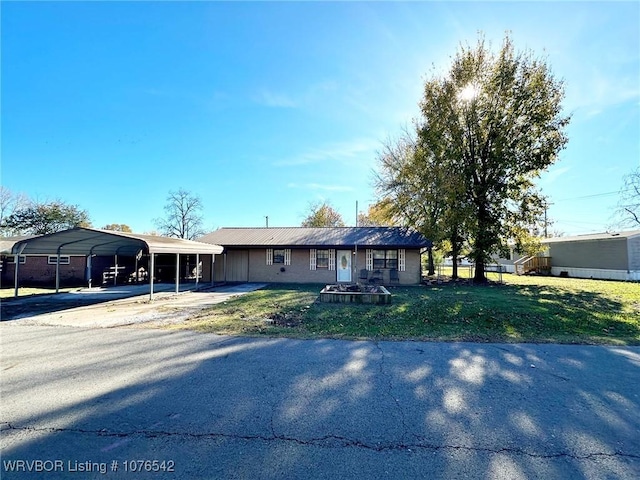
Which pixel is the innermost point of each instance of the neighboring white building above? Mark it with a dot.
(611, 256)
(607, 256)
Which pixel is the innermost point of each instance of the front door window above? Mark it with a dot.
(343, 266)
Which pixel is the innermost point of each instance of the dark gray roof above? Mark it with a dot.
(7, 243)
(85, 241)
(317, 237)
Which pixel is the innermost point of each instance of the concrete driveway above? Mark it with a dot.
(214, 407)
(119, 306)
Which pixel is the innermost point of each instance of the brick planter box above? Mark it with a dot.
(354, 294)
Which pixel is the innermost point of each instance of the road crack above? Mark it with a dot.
(385, 374)
(326, 441)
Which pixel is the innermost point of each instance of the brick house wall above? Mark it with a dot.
(38, 272)
(254, 262)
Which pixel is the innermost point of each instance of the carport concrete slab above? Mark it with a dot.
(120, 306)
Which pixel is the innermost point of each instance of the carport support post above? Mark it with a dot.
(177, 272)
(152, 257)
(16, 260)
(87, 272)
(58, 271)
(213, 265)
(197, 269)
(115, 274)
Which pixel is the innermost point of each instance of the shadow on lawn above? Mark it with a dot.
(560, 312)
(514, 313)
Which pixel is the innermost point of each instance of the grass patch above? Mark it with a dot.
(524, 309)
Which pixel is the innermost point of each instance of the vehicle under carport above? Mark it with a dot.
(91, 242)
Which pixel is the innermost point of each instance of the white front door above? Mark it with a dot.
(343, 265)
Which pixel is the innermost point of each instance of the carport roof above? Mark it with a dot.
(90, 241)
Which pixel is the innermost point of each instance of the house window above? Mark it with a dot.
(322, 259)
(64, 259)
(325, 259)
(385, 259)
(12, 259)
(278, 255)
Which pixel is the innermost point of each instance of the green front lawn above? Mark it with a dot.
(524, 309)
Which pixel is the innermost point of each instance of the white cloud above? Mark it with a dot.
(552, 175)
(600, 91)
(275, 100)
(318, 186)
(351, 151)
(310, 95)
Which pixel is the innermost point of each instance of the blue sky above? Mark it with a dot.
(262, 108)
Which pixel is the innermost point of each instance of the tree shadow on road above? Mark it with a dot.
(225, 407)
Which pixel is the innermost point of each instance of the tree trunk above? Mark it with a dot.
(479, 276)
(431, 267)
(481, 246)
(454, 255)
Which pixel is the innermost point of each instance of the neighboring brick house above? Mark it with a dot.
(81, 256)
(40, 270)
(386, 255)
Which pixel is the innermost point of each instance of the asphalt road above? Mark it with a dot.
(79, 400)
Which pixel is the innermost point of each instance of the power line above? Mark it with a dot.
(596, 195)
(575, 222)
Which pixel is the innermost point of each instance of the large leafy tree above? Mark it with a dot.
(379, 214)
(495, 122)
(322, 214)
(419, 190)
(44, 218)
(183, 218)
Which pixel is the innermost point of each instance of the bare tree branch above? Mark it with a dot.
(182, 216)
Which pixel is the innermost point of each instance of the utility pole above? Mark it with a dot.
(546, 222)
(356, 213)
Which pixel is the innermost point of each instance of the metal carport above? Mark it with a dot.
(90, 242)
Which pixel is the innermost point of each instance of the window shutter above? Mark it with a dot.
(402, 263)
(287, 256)
(369, 254)
(332, 259)
(269, 256)
(312, 259)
